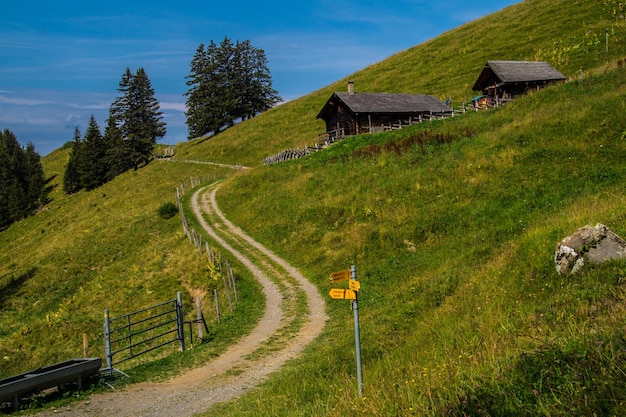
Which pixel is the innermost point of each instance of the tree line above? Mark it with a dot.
(227, 83)
(133, 127)
(23, 188)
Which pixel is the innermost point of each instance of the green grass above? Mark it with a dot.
(568, 35)
(462, 312)
(105, 249)
(461, 307)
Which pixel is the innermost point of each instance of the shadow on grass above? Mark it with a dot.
(13, 286)
(577, 379)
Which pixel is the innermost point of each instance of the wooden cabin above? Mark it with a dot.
(509, 79)
(350, 113)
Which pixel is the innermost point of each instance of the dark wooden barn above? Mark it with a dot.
(509, 79)
(352, 113)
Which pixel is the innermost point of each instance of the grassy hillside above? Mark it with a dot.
(462, 312)
(104, 249)
(452, 226)
(461, 308)
(569, 35)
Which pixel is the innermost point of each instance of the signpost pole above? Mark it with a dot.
(357, 337)
(107, 341)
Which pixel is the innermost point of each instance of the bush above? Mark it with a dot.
(168, 210)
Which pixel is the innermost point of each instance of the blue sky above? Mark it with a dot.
(61, 62)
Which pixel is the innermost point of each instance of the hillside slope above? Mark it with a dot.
(452, 226)
(461, 306)
(105, 249)
(569, 35)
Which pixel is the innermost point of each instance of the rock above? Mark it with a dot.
(588, 244)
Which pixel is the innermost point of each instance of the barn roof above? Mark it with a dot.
(381, 103)
(516, 71)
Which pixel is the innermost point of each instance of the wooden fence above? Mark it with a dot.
(328, 138)
(214, 258)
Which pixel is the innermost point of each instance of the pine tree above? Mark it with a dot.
(92, 168)
(147, 114)
(117, 151)
(71, 176)
(137, 115)
(227, 80)
(120, 108)
(22, 184)
(227, 83)
(16, 187)
(204, 93)
(35, 178)
(7, 140)
(256, 94)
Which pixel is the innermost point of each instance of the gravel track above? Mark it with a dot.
(199, 389)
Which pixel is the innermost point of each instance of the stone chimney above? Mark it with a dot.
(350, 87)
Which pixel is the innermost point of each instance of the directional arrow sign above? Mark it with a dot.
(342, 294)
(338, 293)
(340, 275)
(354, 285)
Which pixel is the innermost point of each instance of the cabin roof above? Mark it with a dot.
(384, 103)
(515, 72)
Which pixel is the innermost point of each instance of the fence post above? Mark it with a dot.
(179, 320)
(199, 318)
(107, 341)
(217, 305)
(234, 284)
(230, 302)
(85, 346)
(130, 335)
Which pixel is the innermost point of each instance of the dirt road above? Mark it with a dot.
(272, 342)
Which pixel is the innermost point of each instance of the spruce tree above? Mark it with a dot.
(117, 151)
(22, 185)
(92, 168)
(256, 94)
(71, 176)
(204, 93)
(227, 83)
(227, 80)
(16, 193)
(148, 116)
(7, 143)
(137, 115)
(120, 108)
(35, 179)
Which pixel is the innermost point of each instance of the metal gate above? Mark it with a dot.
(142, 331)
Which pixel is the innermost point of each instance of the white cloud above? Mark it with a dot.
(20, 101)
(48, 117)
(181, 107)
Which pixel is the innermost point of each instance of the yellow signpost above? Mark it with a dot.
(337, 293)
(340, 276)
(350, 293)
(342, 294)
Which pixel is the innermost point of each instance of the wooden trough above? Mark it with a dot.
(73, 370)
